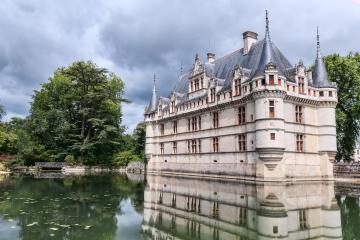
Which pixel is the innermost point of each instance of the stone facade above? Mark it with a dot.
(248, 115)
(179, 208)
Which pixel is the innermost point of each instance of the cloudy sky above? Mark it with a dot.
(136, 38)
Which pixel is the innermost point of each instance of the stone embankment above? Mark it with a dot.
(347, 169)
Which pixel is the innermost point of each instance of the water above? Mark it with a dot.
(124, 207)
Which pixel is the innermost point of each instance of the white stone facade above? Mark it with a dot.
(264, 122)
(178, 208)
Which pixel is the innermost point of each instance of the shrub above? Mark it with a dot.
(70, 160)
(123, 158)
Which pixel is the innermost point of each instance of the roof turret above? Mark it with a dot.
(320, 76)
(154, 98)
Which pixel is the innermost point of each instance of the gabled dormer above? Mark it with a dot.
(301, 78)
(271, 74)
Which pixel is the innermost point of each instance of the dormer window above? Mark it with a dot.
(301, 85)
(212, 95)
(271, 80)
(237, 87)
(172, 106)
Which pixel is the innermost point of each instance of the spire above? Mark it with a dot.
(320, 76)
(154, 98)
(267, 32)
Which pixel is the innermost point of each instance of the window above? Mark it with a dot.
(314, 93)
(162, 129)
(272, 136)
(174, 147)
(215, 119)
(197, 86)
(242, 142)
(302, 219)
(189, 146)
(237, 87)
(199, 122)
(199, 146)
(293, 88)
(298, 114)
(193, 146)
(263, 82)
(288, 87)
(330, 94)
(271, 80)
(279, 82)
(173, 106)
(321, 93)
(202, 83)
(271, 108)
(275, 230)
(192, 86)
(256, 83)
(212, 95)
(241, 115)
(189, 123)
(194, 123)
(309, 92)
(174, 127)
(242, 216)
(301, 85)
(161, 148)
(299, 143)
(215, 144)
(216, 210)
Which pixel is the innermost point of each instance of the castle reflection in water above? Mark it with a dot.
(183, 208)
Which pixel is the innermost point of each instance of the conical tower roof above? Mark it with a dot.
(154, 98)
(320, 76)
(269, 54)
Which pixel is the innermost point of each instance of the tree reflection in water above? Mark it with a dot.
(67, 208)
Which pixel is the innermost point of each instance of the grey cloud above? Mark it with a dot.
(137, 38)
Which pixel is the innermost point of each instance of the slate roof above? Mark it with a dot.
(253, 64)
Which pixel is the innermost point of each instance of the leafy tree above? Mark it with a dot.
(2, 112)
(139, 135)
(345, 71)
(78, 113)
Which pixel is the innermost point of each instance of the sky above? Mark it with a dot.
(137, 38)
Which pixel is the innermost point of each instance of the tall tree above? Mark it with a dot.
(345, 71)
(78, 112)
(2, 112)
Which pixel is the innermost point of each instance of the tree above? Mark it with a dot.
(345, 71)
(78, 113)
(139, 135)
(2, 112)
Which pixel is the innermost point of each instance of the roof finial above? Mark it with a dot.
(318, 54)
(267, 32)
(181, 69)
(196, 56)
(154, 78)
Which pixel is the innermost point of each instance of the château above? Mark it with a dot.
(248, 115)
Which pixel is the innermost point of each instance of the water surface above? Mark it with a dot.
(119, 207)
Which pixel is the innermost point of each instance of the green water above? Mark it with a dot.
(124, 207)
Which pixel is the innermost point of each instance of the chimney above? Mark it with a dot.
(211, 57)
(249, 39)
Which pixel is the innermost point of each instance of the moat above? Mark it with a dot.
(53, 206)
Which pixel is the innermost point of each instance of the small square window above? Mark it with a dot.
(275, 229)
(321, 93)
(330, 94)
(272, 136)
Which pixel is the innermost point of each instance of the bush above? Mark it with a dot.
(70, 160)
(123, 158)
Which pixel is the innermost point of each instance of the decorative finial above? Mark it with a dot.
(267, 32)
(196, 56)
(181, 69)
(154, 78)
(318, 54)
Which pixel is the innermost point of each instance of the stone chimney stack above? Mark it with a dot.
(211, 57)
(249, 39)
